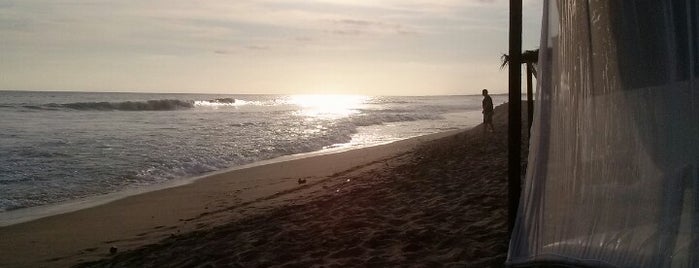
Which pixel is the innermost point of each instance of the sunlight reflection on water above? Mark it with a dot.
(328, 106)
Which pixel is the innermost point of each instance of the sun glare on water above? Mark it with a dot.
(329, 106)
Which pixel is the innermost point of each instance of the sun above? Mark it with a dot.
(328, 106)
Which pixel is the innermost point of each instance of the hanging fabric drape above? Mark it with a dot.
(613, 168)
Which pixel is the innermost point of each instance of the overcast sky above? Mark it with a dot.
(392, 47)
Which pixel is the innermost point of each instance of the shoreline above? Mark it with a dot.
(22, 215)
(77, 233)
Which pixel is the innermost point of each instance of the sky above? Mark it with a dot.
(390, 47)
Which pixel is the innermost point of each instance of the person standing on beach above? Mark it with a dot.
(487, 112)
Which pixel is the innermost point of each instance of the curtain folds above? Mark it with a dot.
(613, 172)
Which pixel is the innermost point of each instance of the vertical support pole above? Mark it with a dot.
(530, 93)
(514, 123)
(694, 238)
(693, 35)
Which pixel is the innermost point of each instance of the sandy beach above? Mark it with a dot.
(430, 201)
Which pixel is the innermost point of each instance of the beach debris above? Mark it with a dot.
(302, 181)
(113, 250)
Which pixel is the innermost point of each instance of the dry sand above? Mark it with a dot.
(431, 201)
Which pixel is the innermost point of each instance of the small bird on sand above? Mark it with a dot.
(112, 250)
(302, 181)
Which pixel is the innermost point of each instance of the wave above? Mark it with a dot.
(35, 107)
(223, 102)
(381, 101)
(151, 105)
(381, 118)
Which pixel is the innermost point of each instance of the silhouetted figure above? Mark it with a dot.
(487, 112)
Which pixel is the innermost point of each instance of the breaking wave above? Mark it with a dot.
(223, 102)
(151, 105)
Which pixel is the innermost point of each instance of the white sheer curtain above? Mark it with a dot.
(613, 173)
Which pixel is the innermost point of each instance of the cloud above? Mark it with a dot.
(205, 26)
(223, 52)
(347, 26)
(6, 4)
(355, 22)
(193, 36)
(257, 47)
(303, 39)
(346, 32)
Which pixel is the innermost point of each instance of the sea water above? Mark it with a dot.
(62, 146)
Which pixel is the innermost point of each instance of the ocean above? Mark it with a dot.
(58, 147)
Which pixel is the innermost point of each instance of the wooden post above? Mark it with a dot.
(514, 124)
